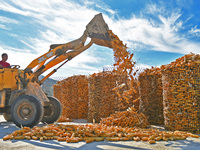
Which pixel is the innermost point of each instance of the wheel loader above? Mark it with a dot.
(22, 100)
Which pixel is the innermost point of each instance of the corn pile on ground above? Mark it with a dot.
(129, 118)
(181, 93)
(95, 132)
(151, 95)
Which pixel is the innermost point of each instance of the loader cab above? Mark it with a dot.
(8, 78)
(8, 83)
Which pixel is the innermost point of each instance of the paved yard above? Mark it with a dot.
(9, 127)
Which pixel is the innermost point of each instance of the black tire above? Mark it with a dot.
(7, 117)
(53, 111)
(26, 110)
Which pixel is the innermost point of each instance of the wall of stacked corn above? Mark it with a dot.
(151, 95)
(102, 99)
(181, 93)
(95, 94)
(73, 96)
(69, 97)
(109, 101)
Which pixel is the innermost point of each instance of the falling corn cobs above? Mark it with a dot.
(95, 132)
(99, 93)
(125, 65)
(115, 90)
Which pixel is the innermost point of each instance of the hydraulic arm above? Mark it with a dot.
(98, 32)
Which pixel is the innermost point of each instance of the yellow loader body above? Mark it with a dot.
(8, 79)
(22, 100)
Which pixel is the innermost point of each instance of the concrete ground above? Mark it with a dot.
(9, 127)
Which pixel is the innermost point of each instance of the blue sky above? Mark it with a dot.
(156, 31)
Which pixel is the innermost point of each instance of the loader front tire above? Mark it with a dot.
(26, 110)
(7, 117)
(53, 111)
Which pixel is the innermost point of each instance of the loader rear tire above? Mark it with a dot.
(53, 111)
(7, 117)
(27, 110)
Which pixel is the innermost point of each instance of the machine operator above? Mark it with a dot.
(3, 63)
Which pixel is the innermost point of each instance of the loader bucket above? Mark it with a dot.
(97, 30)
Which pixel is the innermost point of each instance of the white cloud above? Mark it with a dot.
(154, 9)
(195, 32)
(7, 20)
(142, 66)
(160, 34)
(2, 26)
(103, 7)
(85, 57)
(5, 6)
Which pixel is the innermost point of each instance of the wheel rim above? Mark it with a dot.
(49, 111)
(25, 111)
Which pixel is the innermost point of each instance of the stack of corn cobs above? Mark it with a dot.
(73, 96)
(95, 132)
(102, 99)
(181, 93)
(151, 95)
